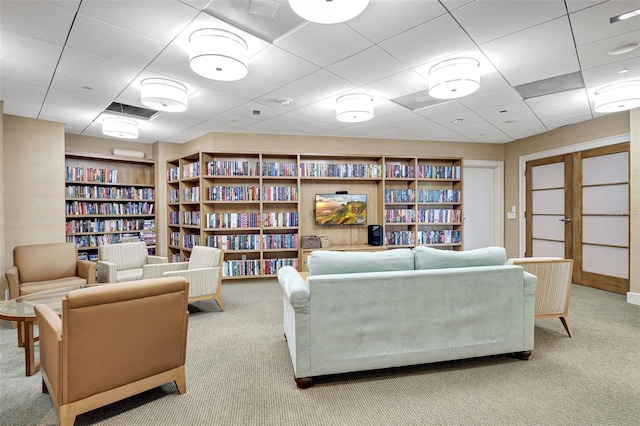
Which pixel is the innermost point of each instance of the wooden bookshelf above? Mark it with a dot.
(255, 206)
(109, 200)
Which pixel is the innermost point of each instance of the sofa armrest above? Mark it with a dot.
(87, 270)
(295, 288)
(106, 272)
(530, 284)
(157, 270)
(50, 328)
(13, 278)
(156, 259)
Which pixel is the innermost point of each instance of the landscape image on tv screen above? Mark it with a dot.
(341, 209)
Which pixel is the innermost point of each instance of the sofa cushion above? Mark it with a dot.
(326, 262)
(34, 287)
(45, 262)
(125, 255)
(431, 258)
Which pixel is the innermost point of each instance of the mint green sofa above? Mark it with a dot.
(370, 310)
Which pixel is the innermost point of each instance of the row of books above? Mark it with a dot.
(173, 173)
(174, 195)
(279, 241)
(438, 195)
(279, 219)
(90, 174)
(191, 169)
(191, 194)
(191, 218)
(439, 237)
(400, 171)
(233, 168)
(280, 193)
(233, 220)
(234, 242)
(399, 196)
(271, 266)
(109, 192)
(422, 237)
(85, 255)
(109, 225)
(174, 239)
(439, 216)
(82, 208)
(357, 170)
(190, 240)
(254, 267)
(234, 193)
(174, 218)
(399, 215)
(275, 168)
(438, 172)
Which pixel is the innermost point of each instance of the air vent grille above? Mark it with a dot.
(560, 83)
(131, 111)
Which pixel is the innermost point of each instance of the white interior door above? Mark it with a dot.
(483, 204)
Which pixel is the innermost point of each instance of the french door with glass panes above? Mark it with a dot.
(578, 208)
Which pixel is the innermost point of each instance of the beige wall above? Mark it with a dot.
(634, 190)
(33, 168)
(79, 143)
(3, 280)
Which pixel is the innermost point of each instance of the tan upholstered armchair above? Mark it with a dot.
(123, 262)
(113, 341)
(42, 267)
(554, 286)
(203, 271)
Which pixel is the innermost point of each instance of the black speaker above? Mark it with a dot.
(375, 235)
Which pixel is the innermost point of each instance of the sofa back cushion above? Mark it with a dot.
(125, 255)
(431, 258)
(45, 262)
(326, 262)
(204, 257)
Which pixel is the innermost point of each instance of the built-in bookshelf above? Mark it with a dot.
(109, 200)
(255, 206)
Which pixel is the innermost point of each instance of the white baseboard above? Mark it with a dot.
(633, 298)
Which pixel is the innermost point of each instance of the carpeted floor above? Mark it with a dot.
(239, 373)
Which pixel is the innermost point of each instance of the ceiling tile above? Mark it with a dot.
(609, 73)
(278, 66)
(29, 50)
(157, 20)
(400, 84)
(491, 19)
(595, 54)
(592, 24)
(405, 49)
(356, 68)
(37, 19)
(411, 14)
(571, 102)
(108, 41)
(329, 46)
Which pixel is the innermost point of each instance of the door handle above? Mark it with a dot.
(565, 220)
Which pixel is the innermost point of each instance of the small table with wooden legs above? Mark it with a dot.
(21, 310)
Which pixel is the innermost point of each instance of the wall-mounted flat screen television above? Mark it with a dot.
(341, 209)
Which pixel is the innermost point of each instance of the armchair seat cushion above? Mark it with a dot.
(129, 275)
(36, 286)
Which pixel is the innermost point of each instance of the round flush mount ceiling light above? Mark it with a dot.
(454, 78)
(625, 48)
(120, 127)
(354, 108)
(218, 54)
(328, 11)
(163, 95)
(618, 97)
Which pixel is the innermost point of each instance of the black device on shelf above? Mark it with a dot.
(375, 235)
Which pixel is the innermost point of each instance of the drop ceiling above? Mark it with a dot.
(541, 63)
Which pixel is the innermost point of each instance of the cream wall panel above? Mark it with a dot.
(33, 166)
(80, 143)
(3, 280)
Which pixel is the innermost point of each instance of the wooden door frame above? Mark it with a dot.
(522, 161)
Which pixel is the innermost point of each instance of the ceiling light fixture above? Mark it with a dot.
(354, 108)
(218, 54)
(454, 78)
(163, 95)
(625, 48)
(618, 97)
(624, 16)
(328, 11)
(120, 127)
